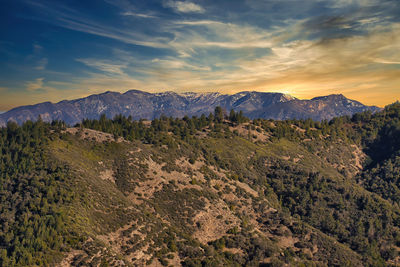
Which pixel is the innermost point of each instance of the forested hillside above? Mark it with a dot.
(213, 190)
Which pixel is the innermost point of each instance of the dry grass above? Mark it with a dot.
(93, 135)
(255, 135)
(212, 222)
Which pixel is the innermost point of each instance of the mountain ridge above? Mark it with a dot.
(145, 105)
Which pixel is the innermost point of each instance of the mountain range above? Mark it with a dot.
(144, 105)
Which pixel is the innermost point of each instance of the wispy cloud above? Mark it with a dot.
(195, 37)
(384, 61)
(185, 6)
(41, 64)
(305, 48)
(36, 59)
(303, 68)
(35, 84)
(126, 36)
(104, 66)
(140, 15)
(71, 19)
(300, 67)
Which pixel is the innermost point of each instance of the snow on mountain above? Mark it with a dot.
(139, 104)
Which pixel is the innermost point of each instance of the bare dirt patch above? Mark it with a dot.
(247, 188)
(297, 128)
(214, 221)
(156, 177)
(107, 175)
(67, 261)
(119, 243)
(186, 165)
(233, 250)
(359, 157)
(287, 241)
(298, 158)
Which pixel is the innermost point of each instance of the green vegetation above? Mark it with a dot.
(33, 192)
(216, 190)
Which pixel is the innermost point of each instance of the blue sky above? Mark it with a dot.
(55, 50)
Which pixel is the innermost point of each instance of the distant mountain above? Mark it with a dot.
(144, 105)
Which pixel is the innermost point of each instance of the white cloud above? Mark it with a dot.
(140, 15)
(126, 36)
(215, 34)
(173, 63)
(105, 66)
(70, 19)
(35, 84)
(198, 22)
(383, 61)
(209, 54)
(185, 7)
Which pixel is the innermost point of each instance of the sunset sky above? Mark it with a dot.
(54, 50)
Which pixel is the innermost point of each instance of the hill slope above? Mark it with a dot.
(143, 105)
(207, 191)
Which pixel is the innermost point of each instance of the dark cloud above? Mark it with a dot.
(332, 27)
(352, 19)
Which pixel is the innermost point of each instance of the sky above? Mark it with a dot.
(55, 50)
